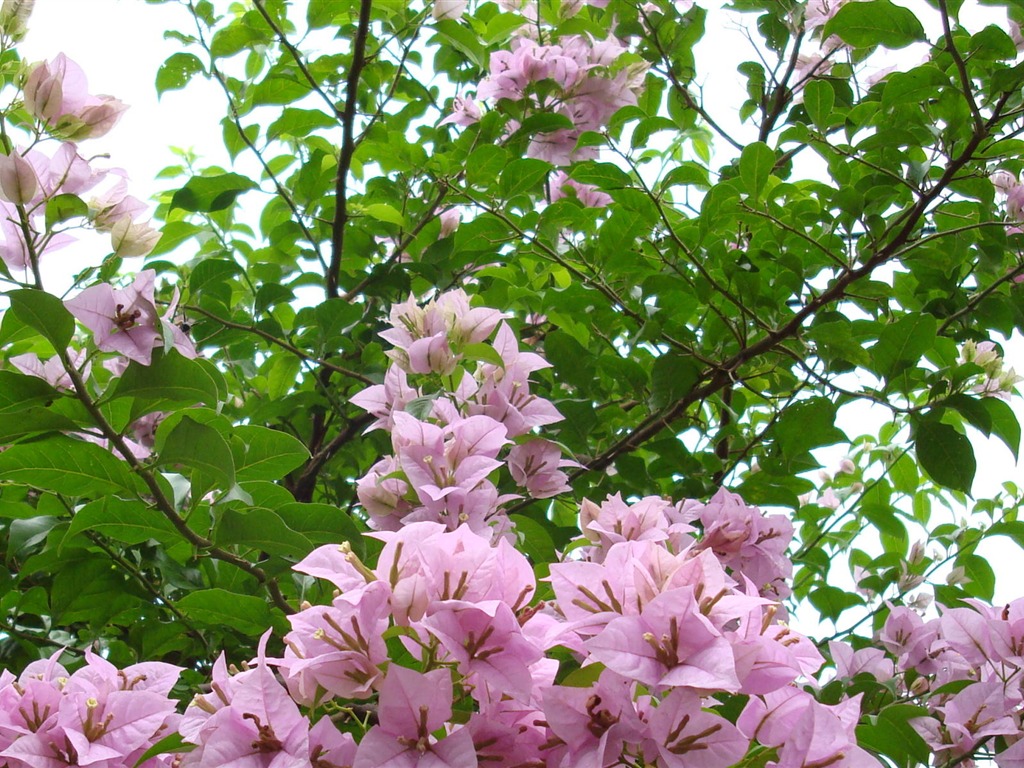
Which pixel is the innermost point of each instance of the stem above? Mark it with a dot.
(348, 148)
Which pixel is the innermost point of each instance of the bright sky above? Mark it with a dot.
(120, 45)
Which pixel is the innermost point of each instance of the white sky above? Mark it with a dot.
(120, 45)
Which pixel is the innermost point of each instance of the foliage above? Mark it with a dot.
(497, 280)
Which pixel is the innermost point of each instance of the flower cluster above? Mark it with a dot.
(967, 666)
(465, 424)
(56, 92)
(579, 78)
(98, 715)
(56, 95)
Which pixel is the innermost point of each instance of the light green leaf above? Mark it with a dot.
(756, 163)
(875, 22)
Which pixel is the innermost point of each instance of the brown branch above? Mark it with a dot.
(278, 342)
(160, 500)
(348, 148)
(302, 488)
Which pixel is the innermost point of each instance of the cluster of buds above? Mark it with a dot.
(997, 382)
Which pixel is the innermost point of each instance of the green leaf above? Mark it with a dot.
(672, 376)
(875, 22)
(806, 425)
(277, 91)
(522, 176)
(205, 194)
(602, 175)
(903, 343)
(64, 207)
(32, 420)
(284, 370)
(176, 72)
(199, 447)
(982, 578)
(1004, 423)
(174, 234)
(386, 213)
(18, 392)
(168, 745)
(891, 734)
(44, 313)
(946, 455)
(219, 608)
(72, 467)
(130, 522)
(300, 122)
(269, 453)
(261, 529)
(756, 163)
(484, 353)
(170, 379)
(831, 602)
(819, 98)
(323, 524)
(913, 86)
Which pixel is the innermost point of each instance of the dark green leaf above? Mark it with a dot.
(672, 377)
(199, 447)
(1004, 423)
(269, 454)
(219, 608)
(946, 455)
(72, 467)
(204, 194)
(45, 313)
(130, 522)
(903, 343)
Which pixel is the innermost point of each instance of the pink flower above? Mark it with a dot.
(465, 112)
(52, 371)
(126, 321)
(337, 649)
(450, 219)
(671, 643)
(257, 726)
(56, 93)
(588, 195)
(413, 706)
(537, 466)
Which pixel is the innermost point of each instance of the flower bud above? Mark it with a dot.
(920, 686)
(18, 181)
(14, 18)
(957, 576)
(127, 238)
(916, 553)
